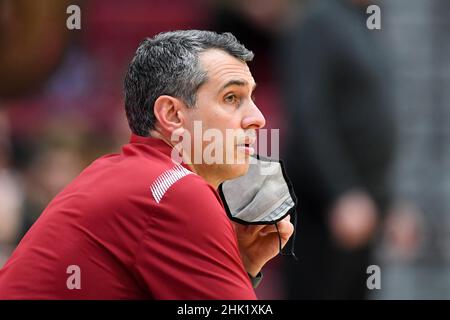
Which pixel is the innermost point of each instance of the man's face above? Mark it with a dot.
(225, 104)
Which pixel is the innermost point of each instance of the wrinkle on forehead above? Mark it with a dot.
(221, 66)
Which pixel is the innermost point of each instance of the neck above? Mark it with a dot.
(205, 172)
(202, 170)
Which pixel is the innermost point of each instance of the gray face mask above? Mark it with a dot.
(263, 196)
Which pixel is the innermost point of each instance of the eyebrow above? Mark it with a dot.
(236, 82)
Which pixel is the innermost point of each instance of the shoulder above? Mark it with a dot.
(181, 191)
(187, 204)
(178, 184)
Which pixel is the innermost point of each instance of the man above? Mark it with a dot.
(140, 225)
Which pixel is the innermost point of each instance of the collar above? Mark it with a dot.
(157, 144)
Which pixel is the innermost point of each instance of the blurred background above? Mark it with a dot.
(364, 119)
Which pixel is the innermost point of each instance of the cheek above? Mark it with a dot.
(216, 115)
(223, 119)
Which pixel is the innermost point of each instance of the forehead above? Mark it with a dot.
(221, 67)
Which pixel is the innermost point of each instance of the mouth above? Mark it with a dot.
(247, 146)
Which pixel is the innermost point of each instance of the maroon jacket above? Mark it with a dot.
(136, 226)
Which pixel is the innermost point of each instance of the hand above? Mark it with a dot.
(353, 220)
(260, 243)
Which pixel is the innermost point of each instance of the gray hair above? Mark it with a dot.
(168, 64)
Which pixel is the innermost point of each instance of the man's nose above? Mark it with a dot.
(253, 119)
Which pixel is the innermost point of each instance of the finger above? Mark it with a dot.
(285, 228)
(254, 229)
(271, 228)
(248, 229)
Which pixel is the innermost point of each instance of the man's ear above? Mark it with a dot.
(167, 112)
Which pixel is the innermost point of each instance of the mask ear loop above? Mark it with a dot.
(292, 253)
(279, 239)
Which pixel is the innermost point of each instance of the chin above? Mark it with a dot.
(237, 170)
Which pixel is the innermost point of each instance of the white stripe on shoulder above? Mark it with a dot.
(165, 180)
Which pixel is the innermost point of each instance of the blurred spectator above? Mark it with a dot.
(57, 158)
(340, 146)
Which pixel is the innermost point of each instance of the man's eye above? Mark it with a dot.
(231, 99)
